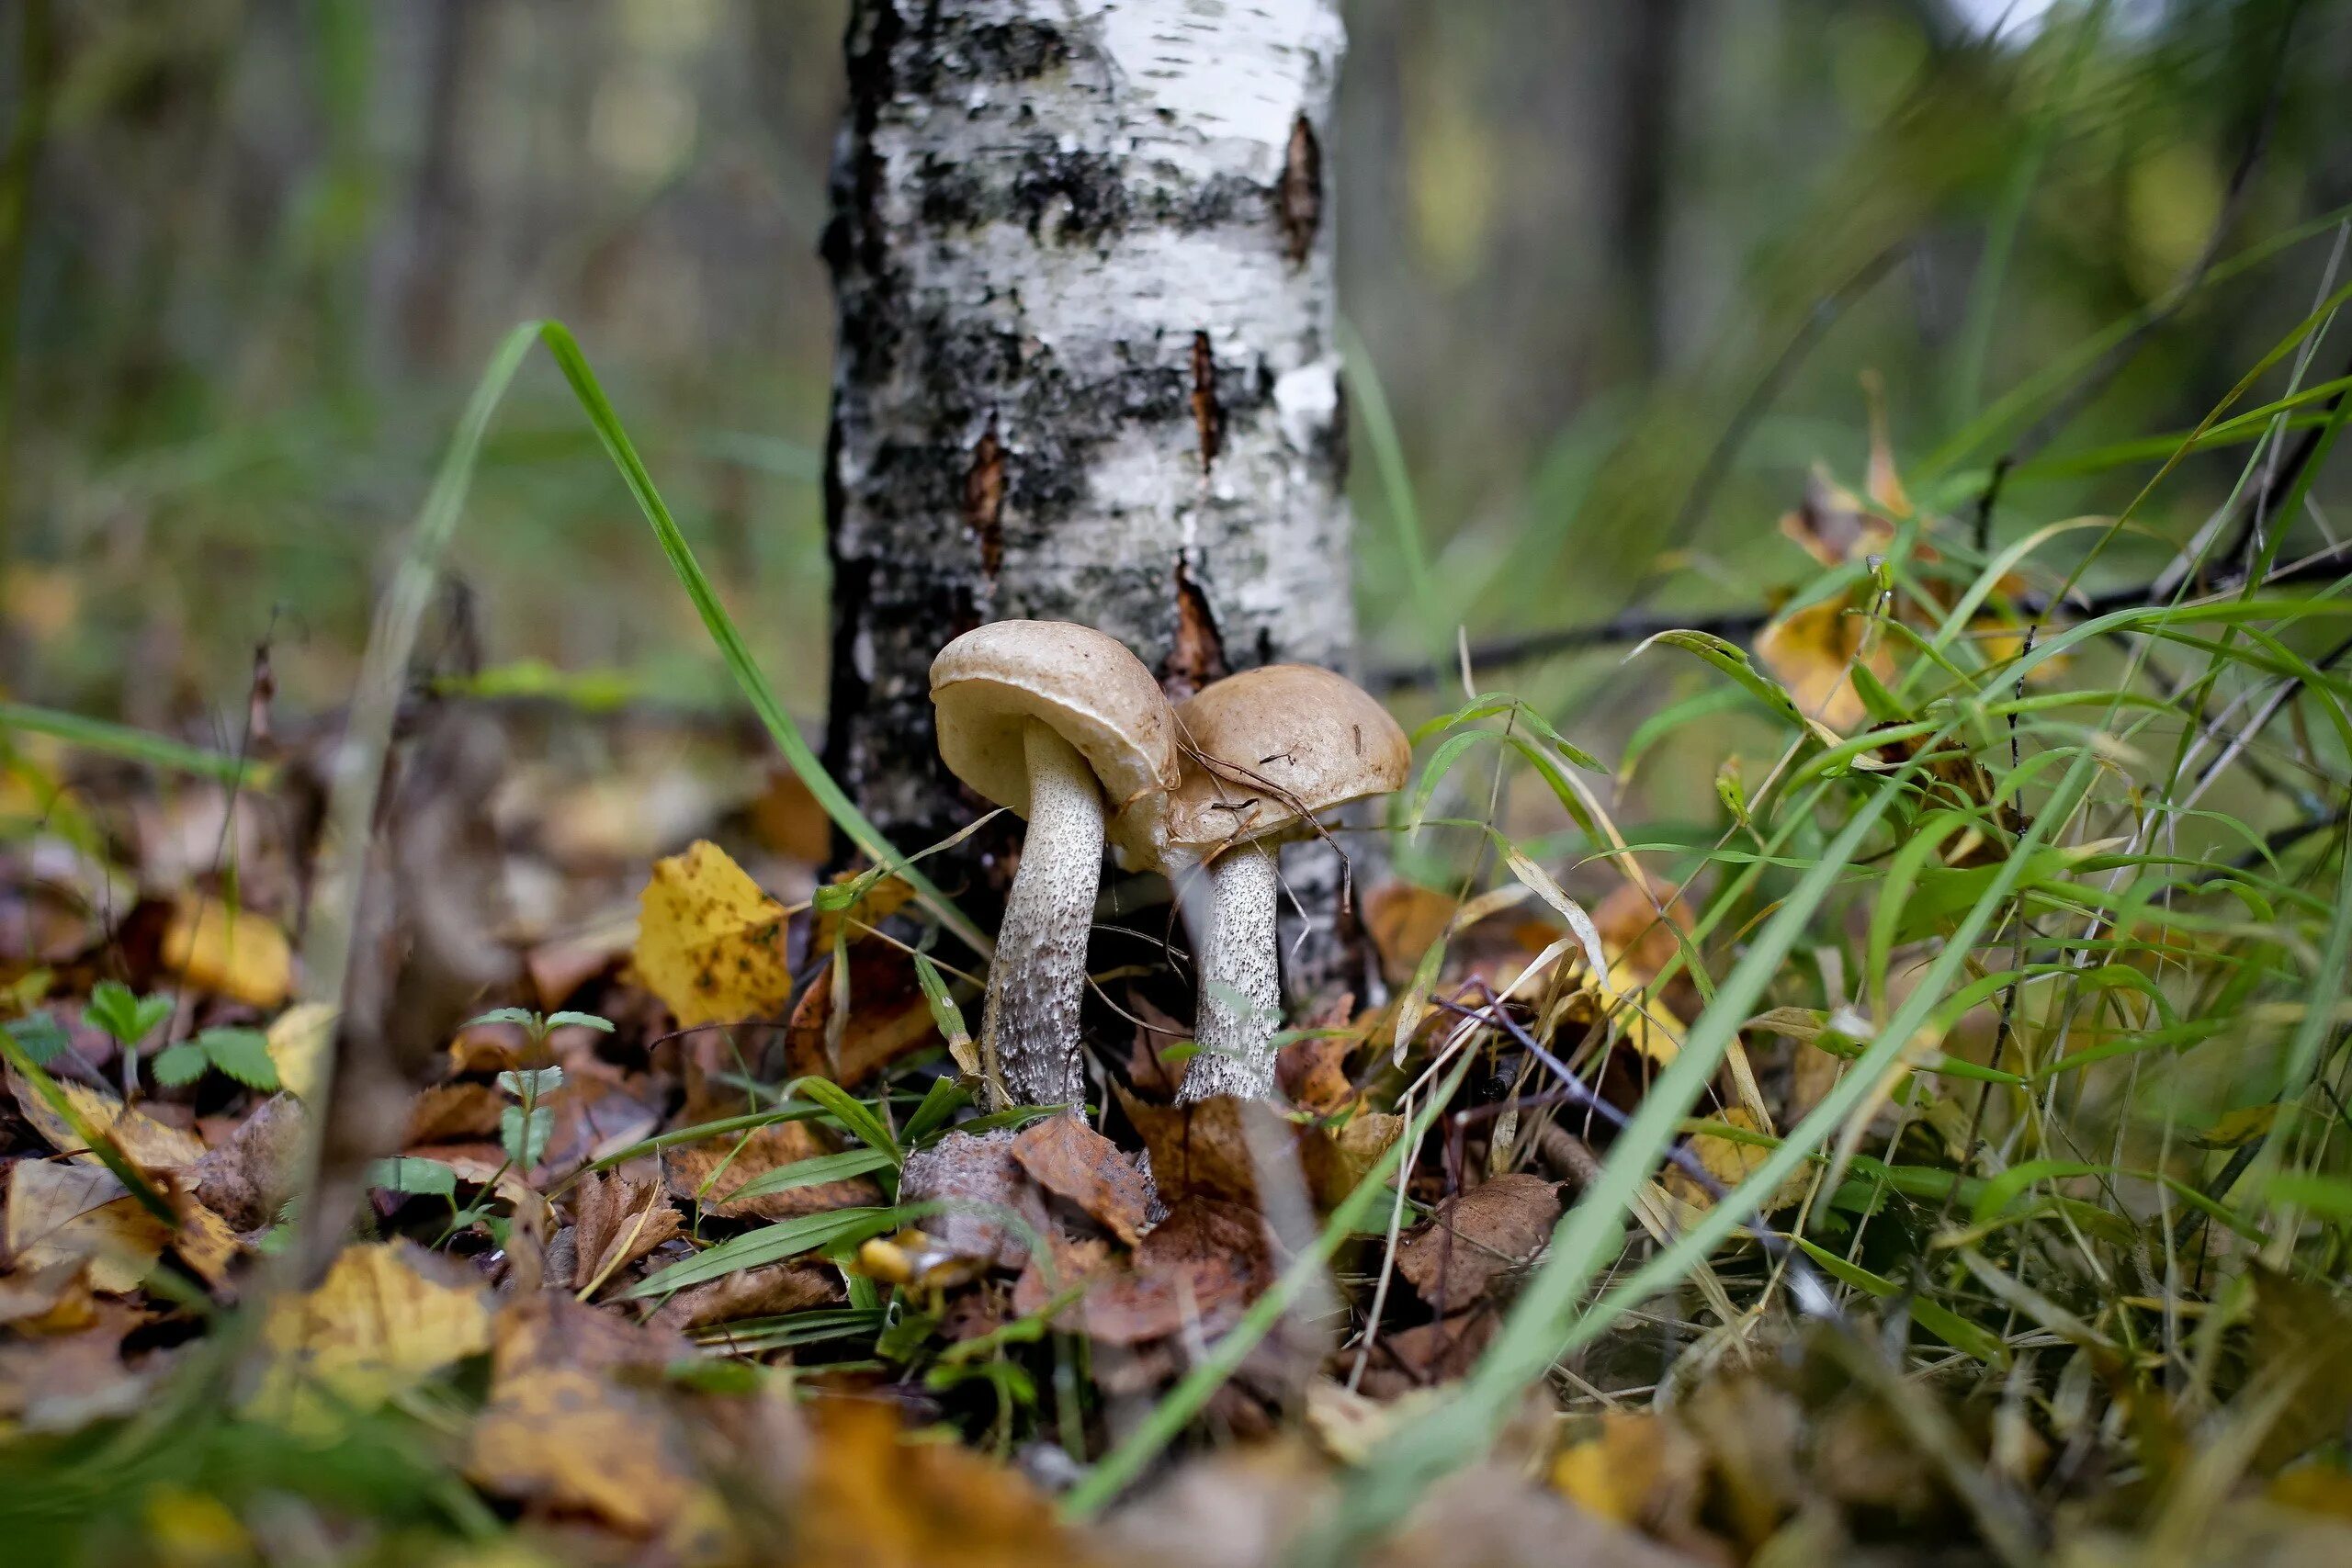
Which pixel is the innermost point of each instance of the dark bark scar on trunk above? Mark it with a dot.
(984, 500)
(1209, 414)
(1301, 198)
(1197, 655)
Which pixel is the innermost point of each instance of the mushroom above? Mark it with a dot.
(1266, 751)
(1065, 727)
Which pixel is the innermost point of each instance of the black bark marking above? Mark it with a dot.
(984, 500)
(1301, 196)
(1208, 416)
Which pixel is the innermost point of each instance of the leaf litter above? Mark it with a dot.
(700, 1245)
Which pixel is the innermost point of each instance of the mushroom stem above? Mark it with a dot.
(1241, 1000)
(1029, 1023)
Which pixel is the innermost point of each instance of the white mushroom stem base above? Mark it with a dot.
(1029, 1023)
(1240, 1001)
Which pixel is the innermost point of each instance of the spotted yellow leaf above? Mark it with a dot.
(709, 943)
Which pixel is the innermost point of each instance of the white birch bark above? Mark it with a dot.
(1087, 368)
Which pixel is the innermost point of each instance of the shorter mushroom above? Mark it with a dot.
(1065, 727)
(1267, 750)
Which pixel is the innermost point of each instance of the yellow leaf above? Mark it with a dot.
(575, 1418)
(231, 952)
(376, 1325)
(1638, 1469)
(1809, 651)
(59, 1212)
(150, 1145)
(299, 1042)
(709, 943)
(1730, 1162)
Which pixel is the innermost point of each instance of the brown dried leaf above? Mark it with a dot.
(1486, 1232)
(887, 1019)
(708, 1172)
(452, 1112)
(1073, 1161)
(618, 1221)
(245, 1180)
(573, 1421)
(1198, 1150)
(1206, 1260)
(754, 1292)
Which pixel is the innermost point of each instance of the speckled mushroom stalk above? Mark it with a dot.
(1241, 980)
(1065, 727)
(1268, 750)
(1029, 1021)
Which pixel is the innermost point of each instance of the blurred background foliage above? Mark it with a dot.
(1619, 270)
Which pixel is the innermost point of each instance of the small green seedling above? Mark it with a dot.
(538, 1025)
(523, 1128)
(127, 1020)
(242, 1053)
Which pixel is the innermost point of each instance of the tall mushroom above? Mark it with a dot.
(1067, 729)
(1266, 751)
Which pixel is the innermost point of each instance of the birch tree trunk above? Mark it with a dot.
(1086, 368)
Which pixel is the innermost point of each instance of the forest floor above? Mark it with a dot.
(1933, 1156)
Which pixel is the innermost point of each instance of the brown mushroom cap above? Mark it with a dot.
(989, 683)
(1270, 749)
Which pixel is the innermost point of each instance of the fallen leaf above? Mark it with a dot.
(1198, 1150)
(889, 1018)
(64, 1385)
(2304, 1331)
(150, 1145)
(1475, 1239)
(55, 1299)
(230, 953)
(990, 1210)
(1729, 1162)
(786, 818)
(1334, 1159)
(248, 1179)
(453, 1113)
(62, 1212)
(1314, 1073)
(572, 1421)
(618, 1222)
(709, 943)
(1348, 1424)
(1810, 652)
(872, 1499)
(708, 1171)
(382, 1322)
(299, 1041)
(767, 1291)
(1072, 1161)
(202, 1238)
(1206, 1260)
(1636, 1467)
(1638, 926)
